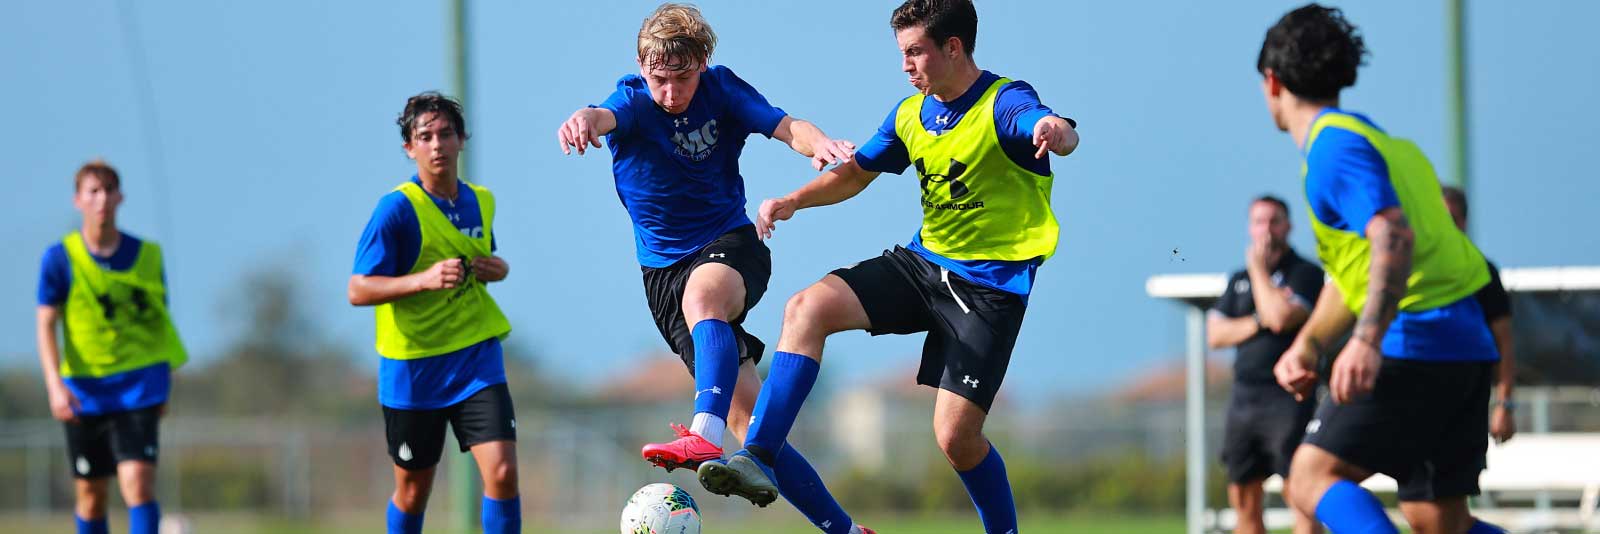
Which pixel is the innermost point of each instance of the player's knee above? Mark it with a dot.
(963, 447)
(411, 492)
(92, 492)
(503, 477)
(136, 492)
(807, 311)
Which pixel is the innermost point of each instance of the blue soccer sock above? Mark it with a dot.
(788, 383)
(799, 483)
(403, 523)
(144, 518)
(94, 526)
(502, 516)
(716, 370)
(1480, 526)
(991, 493)
(1348, 509)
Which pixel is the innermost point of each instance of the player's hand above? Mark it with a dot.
(1295, 371)
(579, 132)
(1355, 371)
(490, 268)
(63, 404)
(773, 210)
(1502, 426)
(446, 274)
(832, 152)
(1050, 135)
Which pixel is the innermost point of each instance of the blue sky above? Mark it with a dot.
(273, 138)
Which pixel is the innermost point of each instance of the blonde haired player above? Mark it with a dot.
(675, 131)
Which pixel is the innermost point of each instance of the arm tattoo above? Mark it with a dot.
(1391, 266)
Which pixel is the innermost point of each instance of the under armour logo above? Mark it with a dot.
(717, 255)
(969, 380)
(1313, 426)
(942, 120)
(957, 189)
(715, 390)
(681, 122)
(826, 524)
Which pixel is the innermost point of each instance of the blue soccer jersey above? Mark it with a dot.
(678, 175)
(389, 247)
(1016, 111)
(129, 390)
(1347, 183)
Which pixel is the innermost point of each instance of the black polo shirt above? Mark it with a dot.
(1256, 355)
(1494, 300)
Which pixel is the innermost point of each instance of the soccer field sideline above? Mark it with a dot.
(368, 522)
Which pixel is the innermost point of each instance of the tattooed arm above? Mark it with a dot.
(1356, 370)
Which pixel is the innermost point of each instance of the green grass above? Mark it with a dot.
(249, 524)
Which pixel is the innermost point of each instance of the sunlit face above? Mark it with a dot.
(435, 144)
(1268, 223)
(1272, 89)
(928, 65)
(97, 200)
(672, 89)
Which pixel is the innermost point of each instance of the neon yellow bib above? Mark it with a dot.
(116, 321)
(432, 323)
(1445, 266)
(977, 204)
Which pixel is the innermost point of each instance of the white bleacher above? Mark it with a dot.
(1563, 465)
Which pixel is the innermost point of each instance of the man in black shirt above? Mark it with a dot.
(1260, 312)
(1496, 304)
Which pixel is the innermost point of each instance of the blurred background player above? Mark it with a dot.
(978, 143)
(1260, 312)
(1410, 389)
(423, 261)
(110, 375)
(1496, 305)
(675, 131)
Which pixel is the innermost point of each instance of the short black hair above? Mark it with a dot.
(1274, 200)
(431, 102)
(1314, 51)
(942, 19)
(1454, 195)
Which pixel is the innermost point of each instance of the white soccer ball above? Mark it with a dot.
(661, 509)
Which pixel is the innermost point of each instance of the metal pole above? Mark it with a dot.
(1456, 82)
(1195, 415)
(463, 471)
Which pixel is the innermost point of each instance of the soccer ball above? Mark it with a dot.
(661, 509)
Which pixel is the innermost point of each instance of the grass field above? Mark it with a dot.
(244, 524)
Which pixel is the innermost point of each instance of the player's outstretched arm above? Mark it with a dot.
(1330, 318)
(808, 140)
(834, 186)
(1054, 134)
(63, 405)
(371, 290)
(584, 128)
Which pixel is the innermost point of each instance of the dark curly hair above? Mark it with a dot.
(942, 19)
(431, 102)
(1314, 51)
